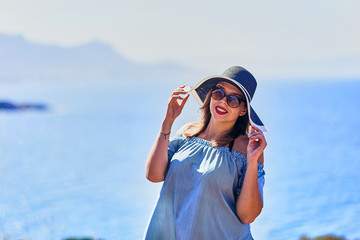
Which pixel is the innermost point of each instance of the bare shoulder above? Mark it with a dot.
(241, 143)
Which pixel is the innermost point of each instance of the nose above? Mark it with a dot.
(223, 100)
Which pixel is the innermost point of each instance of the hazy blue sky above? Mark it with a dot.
(280, 38)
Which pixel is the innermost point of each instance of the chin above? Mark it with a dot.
(223, 119)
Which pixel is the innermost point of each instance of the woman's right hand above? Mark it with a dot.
(157, 161)
(174, 107)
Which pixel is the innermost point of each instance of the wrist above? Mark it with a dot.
(252, 163)
(166, 125)
(169, 119)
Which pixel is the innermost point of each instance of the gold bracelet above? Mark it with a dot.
(165, 134)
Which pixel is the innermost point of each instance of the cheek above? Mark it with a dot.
(238, 111)
(212, 105)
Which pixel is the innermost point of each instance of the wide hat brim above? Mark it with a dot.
(201, 89)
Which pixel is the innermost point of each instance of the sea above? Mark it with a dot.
(77, 169)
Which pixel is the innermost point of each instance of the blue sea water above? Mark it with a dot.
(78, 169)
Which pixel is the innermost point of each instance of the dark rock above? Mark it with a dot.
(9, 106)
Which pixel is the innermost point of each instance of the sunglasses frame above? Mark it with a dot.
(215, 88)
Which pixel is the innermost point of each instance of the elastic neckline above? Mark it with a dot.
(221, 148)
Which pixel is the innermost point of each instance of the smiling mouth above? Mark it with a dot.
(220, 110)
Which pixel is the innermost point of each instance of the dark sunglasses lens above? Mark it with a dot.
(218, 94)
(233, 101)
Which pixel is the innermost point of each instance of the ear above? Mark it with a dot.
(243, 112)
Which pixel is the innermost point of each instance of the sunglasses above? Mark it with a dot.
(232, 100)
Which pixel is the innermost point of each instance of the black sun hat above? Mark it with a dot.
(237, 76)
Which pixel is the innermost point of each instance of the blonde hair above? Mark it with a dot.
(241, 125)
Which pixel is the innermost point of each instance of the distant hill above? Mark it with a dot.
(21, 60)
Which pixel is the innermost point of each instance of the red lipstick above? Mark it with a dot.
(220, 110)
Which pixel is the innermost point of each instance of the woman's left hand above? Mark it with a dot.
(256, 145)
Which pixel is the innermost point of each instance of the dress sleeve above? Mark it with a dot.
(261, 178)
(174, 145)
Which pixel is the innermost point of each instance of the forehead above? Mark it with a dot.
(229, 88)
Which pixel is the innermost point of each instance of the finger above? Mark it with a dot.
(179, 91)
(257, 138)
(260, 143)
(175, 98)
(253, 141)
(255, 128)
(251, 130)
(184, 100)
(254, 134)
(179, 88)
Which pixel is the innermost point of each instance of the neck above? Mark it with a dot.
(216, 130)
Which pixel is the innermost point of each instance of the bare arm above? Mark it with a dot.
(249, 203)
(157, 160)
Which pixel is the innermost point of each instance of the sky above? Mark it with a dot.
(274, 39)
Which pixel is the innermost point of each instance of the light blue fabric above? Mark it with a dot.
(197, 199)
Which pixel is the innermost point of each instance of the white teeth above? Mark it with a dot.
(221, 110)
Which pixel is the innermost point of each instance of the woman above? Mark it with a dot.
(213, 170)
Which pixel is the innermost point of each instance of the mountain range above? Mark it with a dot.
(22, 60)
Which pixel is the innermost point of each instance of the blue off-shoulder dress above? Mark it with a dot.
(197, 199)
